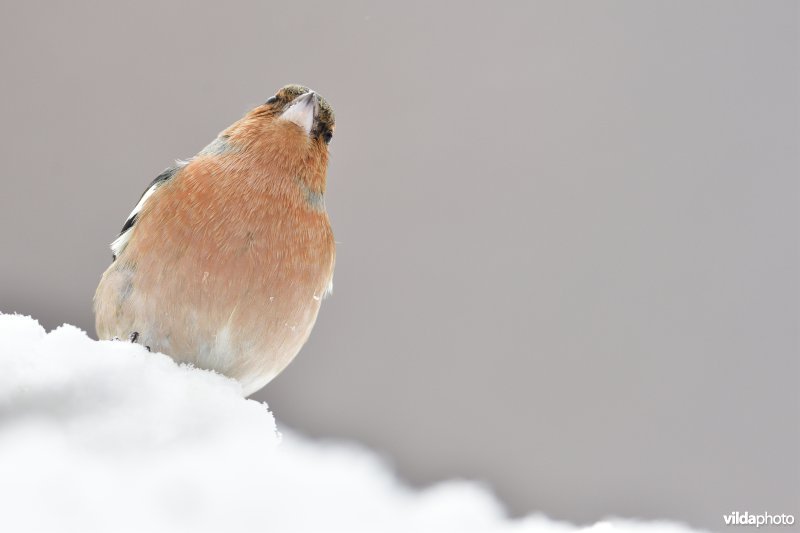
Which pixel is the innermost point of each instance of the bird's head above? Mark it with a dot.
(288, 134)
(295, 106)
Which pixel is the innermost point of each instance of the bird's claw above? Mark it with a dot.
(134, 337)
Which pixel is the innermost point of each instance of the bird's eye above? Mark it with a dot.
(271, 100)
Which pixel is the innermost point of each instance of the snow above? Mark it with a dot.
(105, 436)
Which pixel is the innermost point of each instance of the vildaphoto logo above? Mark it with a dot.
(764, 519)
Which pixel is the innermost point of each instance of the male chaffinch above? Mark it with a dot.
(224, 261)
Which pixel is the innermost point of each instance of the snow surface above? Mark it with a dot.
(104, 436)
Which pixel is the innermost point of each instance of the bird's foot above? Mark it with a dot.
(134, 337)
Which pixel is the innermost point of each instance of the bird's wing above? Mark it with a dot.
(125, 234)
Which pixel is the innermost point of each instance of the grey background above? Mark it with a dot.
(568, 259)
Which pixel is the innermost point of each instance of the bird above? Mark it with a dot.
(225, 259)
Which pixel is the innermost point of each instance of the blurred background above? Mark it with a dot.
(568, 231)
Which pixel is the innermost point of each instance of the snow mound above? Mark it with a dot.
(104, 436)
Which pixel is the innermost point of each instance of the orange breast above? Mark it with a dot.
(222, 271)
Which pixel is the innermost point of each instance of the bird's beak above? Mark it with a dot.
(302, 111)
